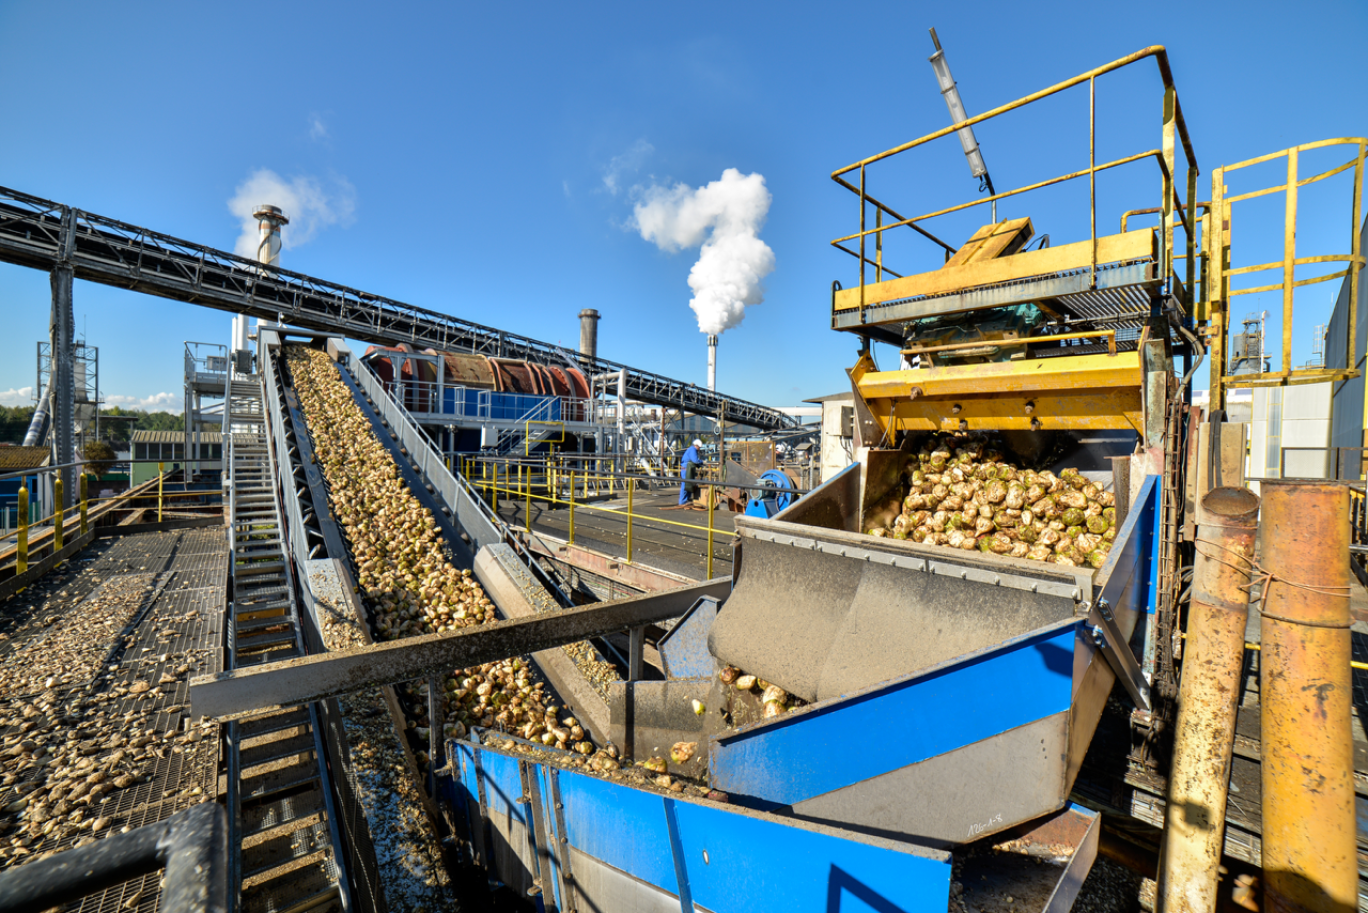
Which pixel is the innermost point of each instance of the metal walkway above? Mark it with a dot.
(105, 645)
(45, 235)
(282, 824)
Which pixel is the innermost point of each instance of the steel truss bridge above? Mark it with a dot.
(45, 235)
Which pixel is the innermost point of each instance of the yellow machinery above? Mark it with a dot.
(1083, 336)
(1076, 337)
(1106, 334)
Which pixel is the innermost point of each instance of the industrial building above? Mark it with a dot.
(443, 621)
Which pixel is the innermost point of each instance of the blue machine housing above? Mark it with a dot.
(576, 841)
(766, 504)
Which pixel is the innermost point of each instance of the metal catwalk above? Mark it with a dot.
(45, 235)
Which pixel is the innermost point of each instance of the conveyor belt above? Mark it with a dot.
(41, 234)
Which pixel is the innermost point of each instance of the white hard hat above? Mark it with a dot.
(697, 442)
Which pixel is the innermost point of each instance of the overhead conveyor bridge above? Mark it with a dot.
(44, 235)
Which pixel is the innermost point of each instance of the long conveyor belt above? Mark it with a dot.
(333, 615)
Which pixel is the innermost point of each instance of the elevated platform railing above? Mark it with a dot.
(1099, 257)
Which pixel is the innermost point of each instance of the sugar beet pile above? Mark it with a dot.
(961, 493)
(407, 582)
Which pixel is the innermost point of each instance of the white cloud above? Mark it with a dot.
(628, 163)
(157, 402)
(565, 187)
(317, 129)
(723, 219)
(307, 204)
(20, 396)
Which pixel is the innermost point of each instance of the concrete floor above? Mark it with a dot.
(601, 525)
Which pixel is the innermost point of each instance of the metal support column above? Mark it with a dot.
(61, 332)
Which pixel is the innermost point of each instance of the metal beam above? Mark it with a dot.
(311, 678)
(1127, 282)
(115, 253)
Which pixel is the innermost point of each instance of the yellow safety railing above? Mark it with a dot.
(58, 517)
(1173, 132)
(1221, 268)
(556, 477)
(527, 434)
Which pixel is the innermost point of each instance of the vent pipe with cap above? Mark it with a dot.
(269, 219)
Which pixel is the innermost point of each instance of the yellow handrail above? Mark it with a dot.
(21, 562)
(58, 516)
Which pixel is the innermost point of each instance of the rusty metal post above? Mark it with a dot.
(1194, 825)
(1310, 858)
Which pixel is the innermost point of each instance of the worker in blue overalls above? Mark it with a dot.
(688, 471)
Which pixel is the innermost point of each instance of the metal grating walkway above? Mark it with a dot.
(118, 635)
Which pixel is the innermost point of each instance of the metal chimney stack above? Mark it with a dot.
(712, 362)
(589, 319)
(269, 219)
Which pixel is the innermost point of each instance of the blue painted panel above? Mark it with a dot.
(503, 786)
(541, 779)
(685, 648)
(621, 826)
(467, 787)
(819, 750)
(754, 862)
(757, 864)
(1133, 544)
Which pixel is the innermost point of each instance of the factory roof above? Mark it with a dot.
(175, 437)
(14, 458)
(831, 397)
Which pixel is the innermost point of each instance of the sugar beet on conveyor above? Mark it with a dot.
(322, 540)
(516, 588)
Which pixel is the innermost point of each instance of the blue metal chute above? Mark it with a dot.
(984, 676)
(575, 841)
(950, 698)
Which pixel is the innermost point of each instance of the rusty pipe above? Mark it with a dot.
(1309, 830)
(1194, 821)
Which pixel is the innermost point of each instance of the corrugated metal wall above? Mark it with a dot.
(1347, 415)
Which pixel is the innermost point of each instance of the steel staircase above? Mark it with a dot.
(282, 823)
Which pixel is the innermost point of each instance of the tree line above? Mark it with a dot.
(14, 423)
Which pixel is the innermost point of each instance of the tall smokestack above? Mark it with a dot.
(589, 319)
(269, 219)
(712, 362)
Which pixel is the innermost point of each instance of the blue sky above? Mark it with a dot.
(484, 160)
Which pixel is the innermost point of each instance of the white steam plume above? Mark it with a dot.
(309, 207)
(725, 217)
